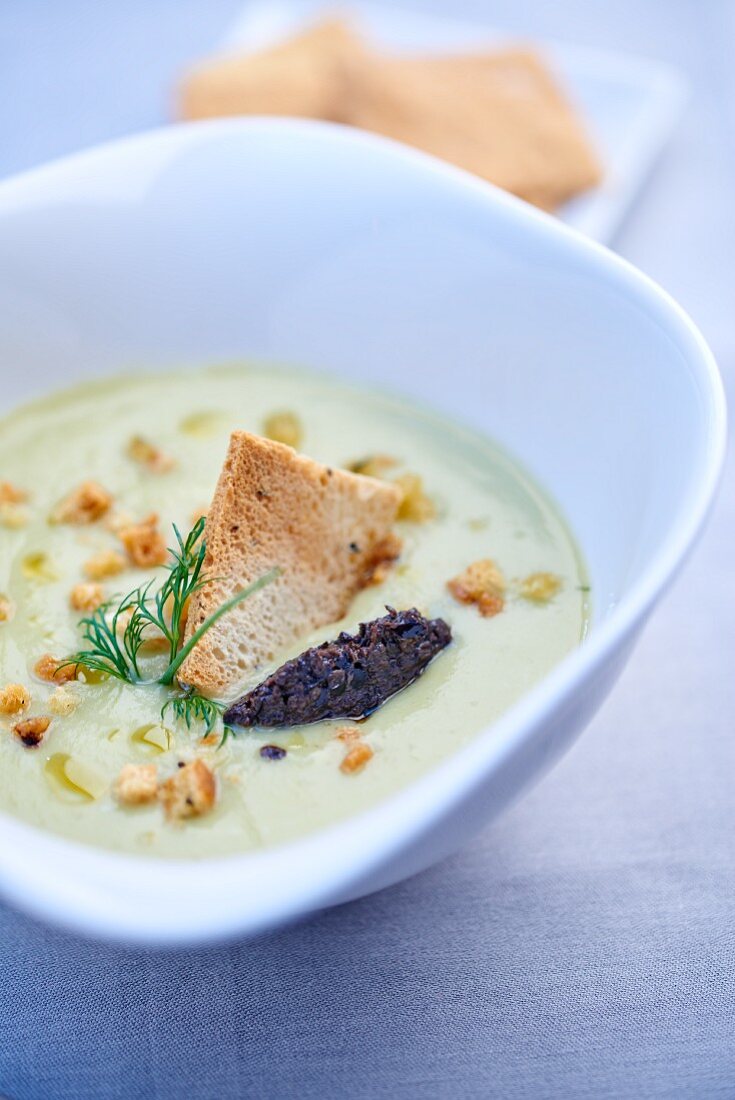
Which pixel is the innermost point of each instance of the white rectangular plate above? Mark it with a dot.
(630, 104)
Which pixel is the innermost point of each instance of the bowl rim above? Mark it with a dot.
(95, 900)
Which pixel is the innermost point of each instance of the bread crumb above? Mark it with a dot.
(144, 544)
(31, 730)
(190, 792)
(147, 454)
(86, 504)
(14, 698)
(63, 702)
(284, 427)
(13, 516)
(481, 583)
(116, 521)
(373, 465)
(137, 784)
(385, 554)
(55, 671)
(108, 563)
(356, 758)
(11, 494)
(415, 506)
(7, 609)
(540, 587)
(348, 733)
(87, 596)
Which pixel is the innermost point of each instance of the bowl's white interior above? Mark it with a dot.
(305, 244)
(470, 306)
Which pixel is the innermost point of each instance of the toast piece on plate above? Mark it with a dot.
(500, 115)
(301, 76)
(323, 527)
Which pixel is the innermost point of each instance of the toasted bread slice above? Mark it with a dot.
(501, 115)
(273, 507)
(300, 76)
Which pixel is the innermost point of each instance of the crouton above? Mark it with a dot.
(144, 544)
(31, 731)
(86, 597)
(117, 520)
(54, 670)
(356, 758)
(137, 784)
(274, 507)
(108, 563)
(147, 454)
(11, 494)
(63, 702)
(385, 553)
(14, 698)
(348, 734)
(190, 791)
(540, 587)
(85, 504)
(481, 583)
(415, 506)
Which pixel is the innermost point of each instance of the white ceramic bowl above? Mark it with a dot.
(310, 244)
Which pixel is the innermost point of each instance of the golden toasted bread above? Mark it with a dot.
(322, 527)
(500, 115)
(300, 76)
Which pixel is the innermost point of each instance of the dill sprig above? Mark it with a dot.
(116, 632)
(191, 707)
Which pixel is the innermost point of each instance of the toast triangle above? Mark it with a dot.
(274, 507)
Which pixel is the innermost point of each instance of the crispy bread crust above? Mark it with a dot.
(501, 115)
(301, 76)
(274, 507)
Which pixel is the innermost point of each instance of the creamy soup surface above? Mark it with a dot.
(486, 507)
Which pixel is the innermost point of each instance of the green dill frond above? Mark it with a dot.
(116, 632)
(192, 708)
(107, 652)
(227, 732)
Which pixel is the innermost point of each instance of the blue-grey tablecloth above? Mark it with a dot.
(585, 945)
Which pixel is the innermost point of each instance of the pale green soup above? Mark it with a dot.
(487, 507)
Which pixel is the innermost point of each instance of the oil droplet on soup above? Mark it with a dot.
(476, 502)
